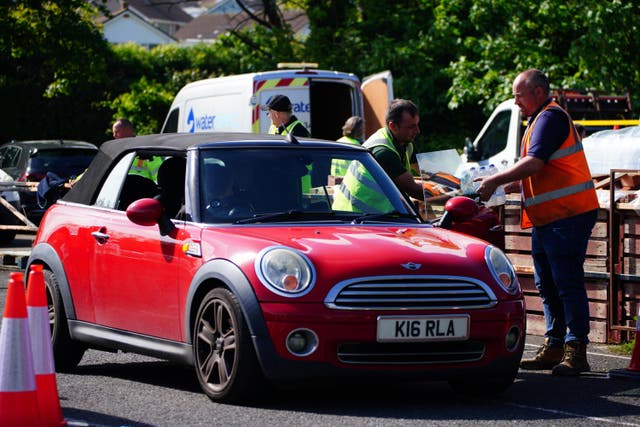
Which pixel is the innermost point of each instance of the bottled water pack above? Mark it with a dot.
(469, 187)
(498, 197)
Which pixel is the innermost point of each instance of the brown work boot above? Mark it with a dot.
(546, 357)
(574, 361)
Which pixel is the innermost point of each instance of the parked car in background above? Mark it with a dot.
(236, 261)
(29, 161)
(7, 217)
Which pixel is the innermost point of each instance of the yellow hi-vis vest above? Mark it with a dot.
(273, 130)
(305, 181)
(563, 187)
(382, 137)
(146, 168)
(359, 192)
(339, 166)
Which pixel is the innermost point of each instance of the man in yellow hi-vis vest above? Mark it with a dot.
(148, 168)
(283, 121)
(352, 133)
(392, 146)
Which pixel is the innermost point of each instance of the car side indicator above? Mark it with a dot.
(192, 248)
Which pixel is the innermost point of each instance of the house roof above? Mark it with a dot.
(128, 26)
(169, 11)
(211, 25)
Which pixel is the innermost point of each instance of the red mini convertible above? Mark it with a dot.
(233, 256)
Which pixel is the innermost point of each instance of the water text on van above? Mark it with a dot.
(301, 107)
(200, 123)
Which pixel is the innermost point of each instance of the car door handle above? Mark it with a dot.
(100, 236)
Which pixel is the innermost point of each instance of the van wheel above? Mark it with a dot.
(66, 352)
(225, 360)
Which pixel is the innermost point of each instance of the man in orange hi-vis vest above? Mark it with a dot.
(560, 203)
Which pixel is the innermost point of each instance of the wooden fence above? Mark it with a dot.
(612, 266)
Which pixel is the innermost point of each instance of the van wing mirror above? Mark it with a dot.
(470, 150)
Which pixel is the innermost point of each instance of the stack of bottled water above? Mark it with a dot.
(498, 197)
(469, 187)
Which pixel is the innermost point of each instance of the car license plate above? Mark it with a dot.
(422, 328)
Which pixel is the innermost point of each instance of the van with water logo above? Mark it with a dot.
(322, 100)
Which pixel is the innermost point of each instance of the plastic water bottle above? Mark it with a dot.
(498, 197)
(501, 196)
(474, 174)
(481, 172)
(466, 182)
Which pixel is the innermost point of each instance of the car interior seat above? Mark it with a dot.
(136, 187)
(171, 175)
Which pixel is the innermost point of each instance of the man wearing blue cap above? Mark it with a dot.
(282, 118)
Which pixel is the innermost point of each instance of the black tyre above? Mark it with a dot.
(491, 385)
(66, 352)
(225, 360)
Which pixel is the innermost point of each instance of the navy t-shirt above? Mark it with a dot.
(550, 131)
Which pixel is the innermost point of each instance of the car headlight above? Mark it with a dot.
(285, 271)
(502, 269)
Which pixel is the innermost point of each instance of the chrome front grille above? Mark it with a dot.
(410, 292)
(424, 353)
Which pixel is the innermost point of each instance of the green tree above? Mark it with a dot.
(144, 82)
(578, 44)
(368, 36)
(52, 56)
(454, 58)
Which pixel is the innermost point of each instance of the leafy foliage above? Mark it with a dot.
(51, 57)
(578, 44)
(455, 58)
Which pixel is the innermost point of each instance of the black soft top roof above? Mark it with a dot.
(84, 189)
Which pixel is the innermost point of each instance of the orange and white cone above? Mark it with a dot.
(18, 396)
(633, 371)
(37, 307)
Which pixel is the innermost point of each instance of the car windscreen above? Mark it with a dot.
(64, 162)
(295, 184)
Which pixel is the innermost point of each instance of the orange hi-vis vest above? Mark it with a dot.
(563, 187)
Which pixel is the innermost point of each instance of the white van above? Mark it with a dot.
(498, 142)
(322, 100)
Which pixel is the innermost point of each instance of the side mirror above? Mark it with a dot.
(145, 211)
(461, 208)
(150, 212)
(470, 150)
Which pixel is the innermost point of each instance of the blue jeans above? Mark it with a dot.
(558, 251)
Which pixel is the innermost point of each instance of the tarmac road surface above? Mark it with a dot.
(121, 389)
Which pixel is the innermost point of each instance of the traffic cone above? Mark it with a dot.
(18, 397)
(48, 400)
(633, 371)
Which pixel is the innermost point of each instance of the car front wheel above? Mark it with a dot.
(225, 360)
